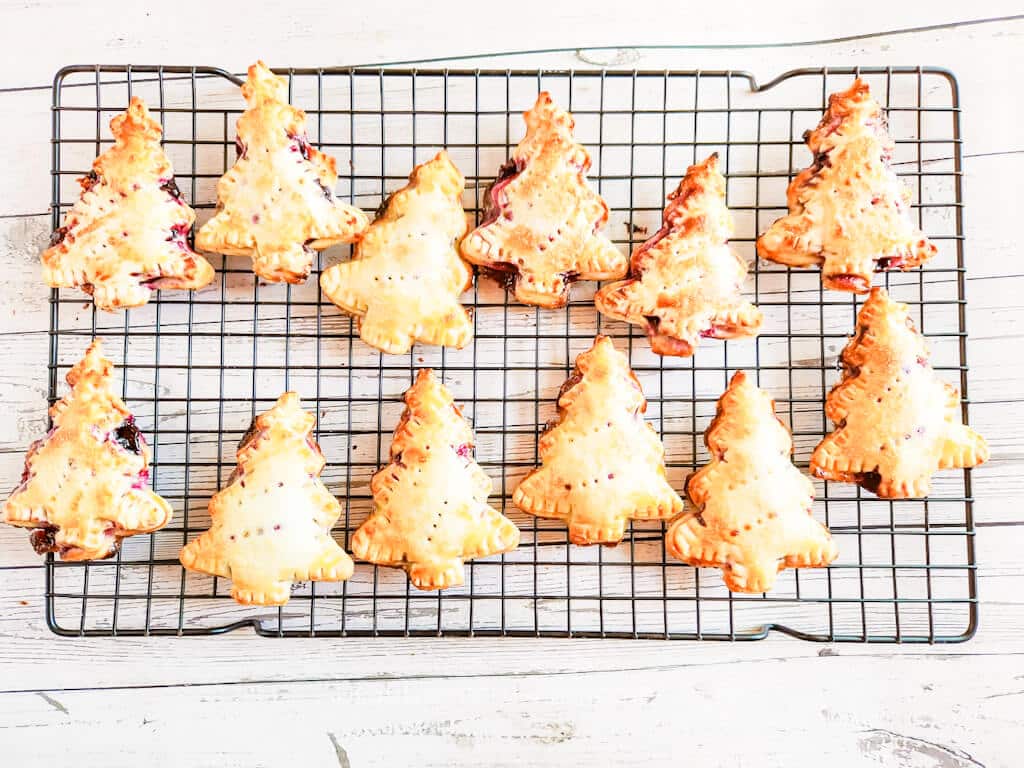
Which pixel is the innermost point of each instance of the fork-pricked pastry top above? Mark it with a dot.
(849, 211)
(271, 524)
(685, 281)
(276, 204)
(896, 421)
(753, 513)
(430, 510)
(601, 463)
(127, 234)
(542, 220)
(406, 275)
(84, 487)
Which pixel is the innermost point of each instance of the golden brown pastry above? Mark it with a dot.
(430, 510)
(271, 525)
(602, 464)
(127, 235)
(84, 487)
(896, 421)
(685, 281)
(849, 212)
(276, 204)
(753, 515)
(406, 275)
(542, 220)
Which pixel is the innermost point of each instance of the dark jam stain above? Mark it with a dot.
(58, 236)
(240, 148)
(890, 262)
(90, 180)
(128, 436)
(170, 186)
(249, 435)
(509, 169)
(327, 193)
(869, 481)
(383, 207)
(301, 145)
(43, 540)
(179, 236)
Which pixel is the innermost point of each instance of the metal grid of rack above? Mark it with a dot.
(196, 367)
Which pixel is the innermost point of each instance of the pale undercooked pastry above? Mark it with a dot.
(896, 421)
(685, 281)
(601, 463)
(127, 235)
(271, 524)
(84, 487)
(849, 211)
(276, 204)
(406, 275)
(541, 218)
(430, 510)
(753, 513)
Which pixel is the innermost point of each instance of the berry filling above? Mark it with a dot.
(58, 236)
(301, 145)
(128, 436)
(854, 283)
(494, 199)
(890, 262)
(869, 481)
(44, 540)
(240, 148)
(463, 450)
(90, 180)
(329, 194)
(170, 186)
(179, 236)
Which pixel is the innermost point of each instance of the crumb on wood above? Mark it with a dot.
(419, 359)
(23, 602)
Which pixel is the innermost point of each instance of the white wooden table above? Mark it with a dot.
(239, 700)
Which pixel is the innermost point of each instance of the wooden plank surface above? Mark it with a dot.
(498, 702)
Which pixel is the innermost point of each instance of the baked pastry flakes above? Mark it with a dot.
(84, 487)
(541, 218)
(406, 275)
(685, 280)
(849, 211)
(271, 525)
(602, 464)
(276, 204)
(896, 421)
(753, 514)
(430, 510)
(127, 235)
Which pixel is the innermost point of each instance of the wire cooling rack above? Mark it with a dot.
(196, 367)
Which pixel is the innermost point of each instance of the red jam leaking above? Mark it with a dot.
(854, 283)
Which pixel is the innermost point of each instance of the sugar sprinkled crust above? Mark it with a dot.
(685, 280)
(127, 234)
(276, 205)
(271, 525)
(849, 211)
(602, 464)
(753, 515)
(542, 219)
(84, 486)
(896, 421)
(430, 510)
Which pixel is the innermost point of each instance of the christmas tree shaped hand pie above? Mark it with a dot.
(541, 218)
(406, 275)
(127, 235)
(685, 280)
(276, 204)
(753, 515)
(849, 212)
(430, 510)
(602, 464)
(271, 525)
(84, 484)
(896, 421)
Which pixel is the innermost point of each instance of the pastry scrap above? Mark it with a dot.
(849, 211)
(896, 421)
(753, 514)
(127, 235)
(276, 204)
(685, 281)
(406, 275)
(84, 487)
(541, 218)
(430, 510)
(271, 525)
(601, 463)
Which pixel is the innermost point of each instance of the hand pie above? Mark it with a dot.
(276, 204)
(406, 275)
(541, 219)
(84, 485)
(127, 235)
(685, 280)
(849, 212)
(602, 464)
(430, 510)
(753, 516)
(896, 421)
(271, 525)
